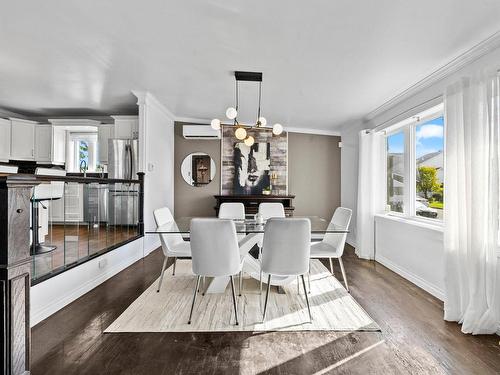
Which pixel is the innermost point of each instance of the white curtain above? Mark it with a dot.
(370, 190)
(471, 210)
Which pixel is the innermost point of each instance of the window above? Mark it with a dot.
(415, 165)
(395, 171)
(82, 152)
(429, 174)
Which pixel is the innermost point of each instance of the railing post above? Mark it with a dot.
(15, 272)
(141, 202)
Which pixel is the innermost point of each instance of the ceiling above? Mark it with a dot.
(324, 62)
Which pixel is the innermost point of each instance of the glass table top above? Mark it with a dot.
(182, 225)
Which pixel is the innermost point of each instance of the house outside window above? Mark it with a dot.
(415, 165)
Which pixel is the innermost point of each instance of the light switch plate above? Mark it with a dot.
(151, 167)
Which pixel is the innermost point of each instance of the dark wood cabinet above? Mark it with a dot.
(252, 202)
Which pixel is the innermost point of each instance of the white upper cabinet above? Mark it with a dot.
(58, 145)
(126, 127)
(22, 139)
(105, 132)
(4, 140)
(43, 143)
(50, 144)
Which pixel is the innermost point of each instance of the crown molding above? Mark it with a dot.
(74, 122)
(469, 56)
(193, 120)
(311, 131)
(146, 98)
(5, 113)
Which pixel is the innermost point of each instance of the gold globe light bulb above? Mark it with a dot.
(240, 133)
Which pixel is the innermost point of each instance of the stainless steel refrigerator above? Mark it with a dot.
(123, 197)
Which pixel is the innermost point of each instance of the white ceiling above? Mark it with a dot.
(324, 62)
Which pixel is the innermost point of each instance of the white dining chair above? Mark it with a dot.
(332, 245)
(232, 210)
(271, 209)
(172, 244)
(268, 210)
(215, 253)
(285, 251)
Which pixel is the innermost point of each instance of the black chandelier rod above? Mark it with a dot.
(260, 95)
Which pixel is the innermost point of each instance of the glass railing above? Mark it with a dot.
(81, 218)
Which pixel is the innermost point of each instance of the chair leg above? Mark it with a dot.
(162, 272)
(307, 298)
(343, 274)
(331, 266)
(240, 282)
(175, 262)
(260, 261)
(234, 300)
(194, 298)
(267, 296)
(260, 278)
(309, 281)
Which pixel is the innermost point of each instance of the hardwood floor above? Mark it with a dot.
(414, 337)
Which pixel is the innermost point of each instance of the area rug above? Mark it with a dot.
(332, 307)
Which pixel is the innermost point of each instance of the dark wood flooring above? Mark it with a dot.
(414, 338)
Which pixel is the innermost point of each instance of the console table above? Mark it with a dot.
(251, 202)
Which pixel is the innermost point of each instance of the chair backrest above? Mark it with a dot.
(232, 210)
(340, 220)
(268, 210)
(163, 217)
(214, 247)
(287, 246)
(54, 190)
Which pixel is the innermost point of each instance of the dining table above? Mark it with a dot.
(250, 233)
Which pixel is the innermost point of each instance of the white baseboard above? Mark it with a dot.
(55, 293)
(151, 246)
(417, 280)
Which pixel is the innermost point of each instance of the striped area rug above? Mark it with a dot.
(333, 309)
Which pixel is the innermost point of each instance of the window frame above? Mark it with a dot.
(409, 126)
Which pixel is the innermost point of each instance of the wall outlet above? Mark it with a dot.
(103, 263)
(151, 167)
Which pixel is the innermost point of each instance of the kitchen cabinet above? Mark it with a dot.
(58, 145)
(50, 144)
(4, 140)
(69, 208)
(126, 127)
(22, 139)
(105, 132)
(43, 143)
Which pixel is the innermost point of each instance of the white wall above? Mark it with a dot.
(349, 175)
(421, 261)
(55, 293)
(156, 159)
(409, 250)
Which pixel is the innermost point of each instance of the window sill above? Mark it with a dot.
(422, 223)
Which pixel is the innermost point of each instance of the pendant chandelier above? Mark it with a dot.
(240, 131)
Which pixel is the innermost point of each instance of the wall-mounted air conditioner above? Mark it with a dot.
(200, 132)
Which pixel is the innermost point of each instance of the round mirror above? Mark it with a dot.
(198, 169)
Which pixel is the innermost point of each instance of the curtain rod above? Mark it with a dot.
(382, 125)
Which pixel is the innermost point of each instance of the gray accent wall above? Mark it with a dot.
(191, 200)
(313, 175)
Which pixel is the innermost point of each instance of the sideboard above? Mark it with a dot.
(252, 202)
